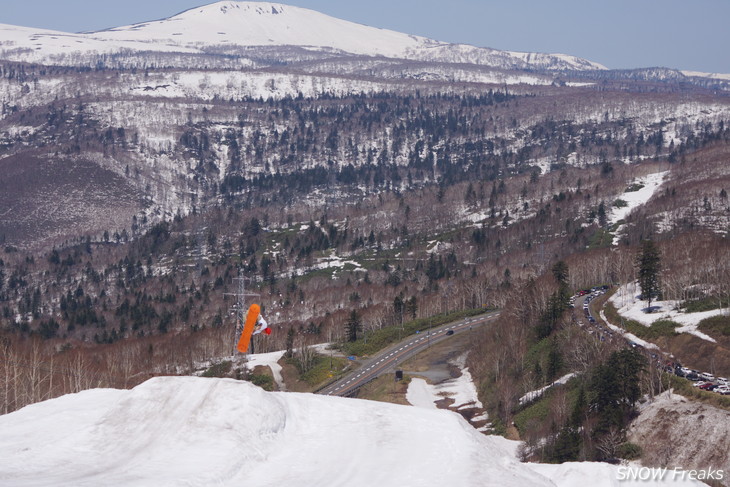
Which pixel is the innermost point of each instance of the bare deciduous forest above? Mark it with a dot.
(127, 218)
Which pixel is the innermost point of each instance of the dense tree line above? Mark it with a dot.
(382, 141)
(437, 199)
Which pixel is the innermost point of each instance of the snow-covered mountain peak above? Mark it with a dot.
(231, 9)
(233, 28)
(264, 24)
(260, 8)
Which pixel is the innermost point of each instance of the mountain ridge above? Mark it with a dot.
(206, 28)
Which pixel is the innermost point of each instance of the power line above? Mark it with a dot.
(240, 307)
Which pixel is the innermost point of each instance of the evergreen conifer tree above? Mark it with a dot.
(648, 261)
(353, 326)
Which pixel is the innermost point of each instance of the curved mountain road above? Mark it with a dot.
(388, 359)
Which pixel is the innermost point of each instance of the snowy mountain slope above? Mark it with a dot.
(719, 76)
(230, 27)
(192, 431)
(265, 24)
(462, 53)
(53, 47)
(152, 110)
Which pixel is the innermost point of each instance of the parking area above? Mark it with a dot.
(595, 327)
(702, 380)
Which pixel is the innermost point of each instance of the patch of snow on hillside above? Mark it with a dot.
(335, 261)
(437, 246)
(634, 199)
(270, 360)
(252, 84)
(628, 336)
(565, 59)
(421, 394)
(532, 395)
(627, 302)
(40, 45)
(461, 390)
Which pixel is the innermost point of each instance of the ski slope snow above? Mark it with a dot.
(190, 431)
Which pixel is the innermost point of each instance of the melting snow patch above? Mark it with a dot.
(270, 360)
(634, 199)
(461, 390)
(421, 394)
(336, 261)
(627, 302)
(436, 246)
(532, 395)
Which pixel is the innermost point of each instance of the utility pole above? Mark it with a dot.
(240, 307)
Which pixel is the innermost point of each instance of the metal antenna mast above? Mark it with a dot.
(240, 307)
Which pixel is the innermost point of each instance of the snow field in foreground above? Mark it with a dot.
(172, 431)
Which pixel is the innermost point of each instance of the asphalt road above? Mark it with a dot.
(387, 360)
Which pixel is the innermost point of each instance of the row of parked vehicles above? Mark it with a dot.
(702, 380)
(589, 295)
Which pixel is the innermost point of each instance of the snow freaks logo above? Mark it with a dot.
(653, 474)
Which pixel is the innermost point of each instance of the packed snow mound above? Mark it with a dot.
(195, 431)
(173, 431)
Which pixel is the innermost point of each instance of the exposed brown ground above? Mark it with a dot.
(292, 379)
(673, 431)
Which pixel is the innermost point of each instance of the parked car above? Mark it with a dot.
(724, 390)
(707, 376)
